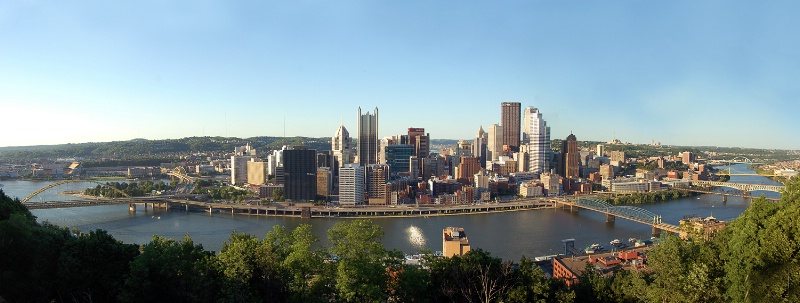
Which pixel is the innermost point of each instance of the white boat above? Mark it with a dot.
(596, 247)
(589, 250)
(632, 240)
(616, 242)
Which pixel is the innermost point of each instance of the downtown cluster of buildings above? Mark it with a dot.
(513, 157)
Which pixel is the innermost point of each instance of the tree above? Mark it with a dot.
(309, 273)
(252, 271)
(361, 261)
(761, 256)
(92, 267)
(473, 277)
(170, 271)
(531, 285)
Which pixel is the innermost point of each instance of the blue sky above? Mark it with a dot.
(718, 73)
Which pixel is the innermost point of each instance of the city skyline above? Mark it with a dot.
(680, 73)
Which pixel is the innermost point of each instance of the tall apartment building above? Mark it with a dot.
(510, 119)
(479, 146)
(239, 169)
(342, 146)
(570, 158)
(351, 184)
(256, 172)
(495, 141)
(300, 173)
(368, 138)
(536, 134)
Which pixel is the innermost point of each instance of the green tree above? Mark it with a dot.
(361, 261)
(92, 267)
(252, 271)
(170, 271)
(762, 256)
(532, 285)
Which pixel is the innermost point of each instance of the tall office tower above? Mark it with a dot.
(239, 169)
(600, 150)
(495, 142)
(479, 147)
(325, 159)
(413, 132)
(324, 183)
(368, 138)
(536, 134)
(510, 116)
(464, 148)
(300, 173)
(376, 177)
(385, 142)
(570, 158)
(398, 157)
(414, 167)
(351, 184)
(342, 146)
(467, 169)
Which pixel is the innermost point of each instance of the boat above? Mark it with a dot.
(616, 242)
(589, 250)
(596, 247)
(632, 240)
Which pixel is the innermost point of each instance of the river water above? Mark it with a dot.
(507, 235)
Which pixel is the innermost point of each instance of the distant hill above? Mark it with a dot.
(153, 148)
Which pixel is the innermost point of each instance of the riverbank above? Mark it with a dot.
(648, 197)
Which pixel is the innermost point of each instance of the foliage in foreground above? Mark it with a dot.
(756, 259)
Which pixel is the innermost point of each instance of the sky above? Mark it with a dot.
(696, 73)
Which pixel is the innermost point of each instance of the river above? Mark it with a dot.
(507, 235)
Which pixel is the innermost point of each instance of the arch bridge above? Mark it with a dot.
(62, 182)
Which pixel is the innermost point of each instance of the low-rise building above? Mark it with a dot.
(454, 242)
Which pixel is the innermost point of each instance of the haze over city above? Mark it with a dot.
(681, 73)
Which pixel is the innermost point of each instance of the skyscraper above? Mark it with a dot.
(368, 138)
(479, 147)
(536, 134)
(570, 158)
(510, 116)
(351, 184)
(342, 146)
(300, 173)
(495, 139)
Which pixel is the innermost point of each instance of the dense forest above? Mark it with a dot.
(755, 259)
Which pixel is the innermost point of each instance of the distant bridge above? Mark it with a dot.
(631, 213)
(736, 160)
(740, 186)
(178, 172)
(62, 182)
